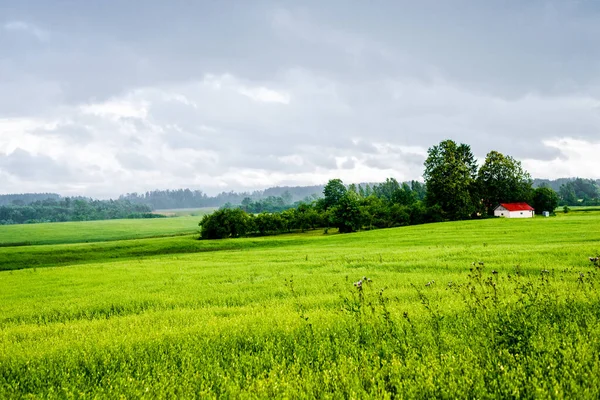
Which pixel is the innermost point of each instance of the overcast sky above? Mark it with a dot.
(105, 97)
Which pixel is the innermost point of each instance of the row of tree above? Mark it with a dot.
(23, 199)
(72, 209)
(347, 208)
(580, 192)
(455, 189)
(186, 198)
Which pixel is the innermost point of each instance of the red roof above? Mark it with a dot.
(517, 206)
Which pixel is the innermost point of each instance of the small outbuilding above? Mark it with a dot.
(514, 210)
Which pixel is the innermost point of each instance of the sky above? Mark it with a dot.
(100, 98)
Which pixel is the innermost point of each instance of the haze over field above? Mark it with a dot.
(100, 98)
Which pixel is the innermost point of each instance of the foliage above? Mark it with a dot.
(501, 179)
(333, 193)
(545, 199)
(186, 198)
(23, 199)
(450, 171)
(389, 204)
(226, 223)
(270, 204)
(347, 214)
(580, 192)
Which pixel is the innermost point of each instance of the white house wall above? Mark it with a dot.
(501, 212)
(521, 214)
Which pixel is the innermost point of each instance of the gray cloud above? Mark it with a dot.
(204, 94)
(137, 161)
(27, 166)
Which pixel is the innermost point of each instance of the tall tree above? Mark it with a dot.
(387, 189)
(450, 171)
(333, 192)
(404, 195)
(545, 199)
(347, 215)
(501, 179)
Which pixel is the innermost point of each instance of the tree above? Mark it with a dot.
(579, 191)
(568, 195)
(347, 214)
(333, 192)
(501, 179)
(387, 189)
(376, 212)
(286, 197)
(246, 203)
(418, 189)
(404, 195)
(226, 223)
(450, 179)
(545, 199)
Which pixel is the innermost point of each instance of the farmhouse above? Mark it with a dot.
(514, 210)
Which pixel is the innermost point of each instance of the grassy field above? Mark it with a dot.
(96, 231)
(186, 212)
(581, 209)
(477, 309)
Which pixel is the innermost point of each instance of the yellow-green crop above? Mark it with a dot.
(477, 309)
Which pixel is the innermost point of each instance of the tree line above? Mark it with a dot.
(347, 208)
(580, 192)
(187, 198)
(25, 198)
(455, 189)
(72, 209)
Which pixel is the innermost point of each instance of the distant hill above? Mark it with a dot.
(557, 183)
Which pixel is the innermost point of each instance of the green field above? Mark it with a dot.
(477, 309)
(186, 212)
(95, 231)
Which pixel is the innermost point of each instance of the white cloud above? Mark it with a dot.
(579, 158)
(265, 95)
(21, 26)
(121, 108)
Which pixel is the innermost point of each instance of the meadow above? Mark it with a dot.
(95, 231)
(186, 212)
(475, 309)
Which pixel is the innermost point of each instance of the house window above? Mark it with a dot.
(521, 212)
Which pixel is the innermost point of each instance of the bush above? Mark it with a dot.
(226, 223)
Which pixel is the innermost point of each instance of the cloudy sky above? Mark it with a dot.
(106, 97)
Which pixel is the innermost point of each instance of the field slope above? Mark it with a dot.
(492, 308)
